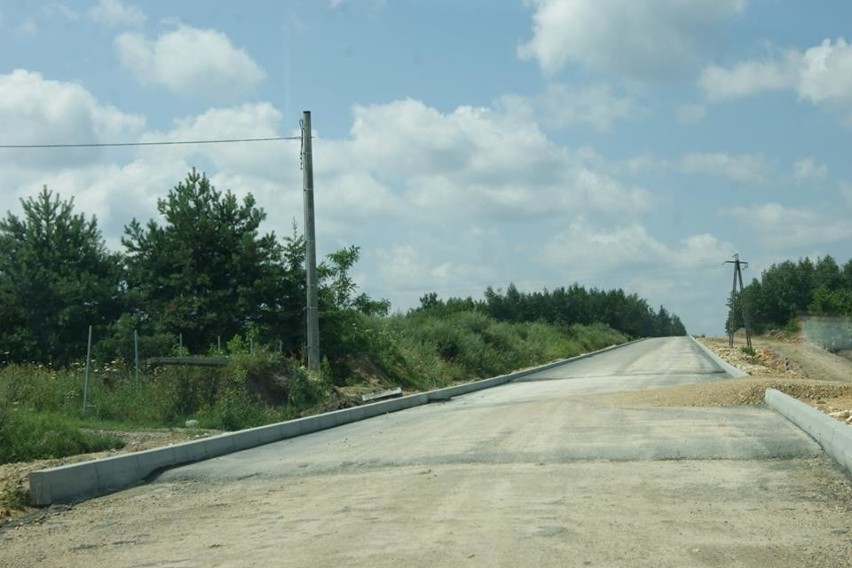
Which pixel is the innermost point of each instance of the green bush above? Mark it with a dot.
(40, 388)
(431, 349)
(27, 435)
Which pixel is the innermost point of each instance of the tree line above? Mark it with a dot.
(201, 273)
(627, 313)
(789, 290)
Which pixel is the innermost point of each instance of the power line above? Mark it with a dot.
(738, 277)
(163, 143)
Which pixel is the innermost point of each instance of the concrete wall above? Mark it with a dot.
(98, 477)
(835, 437)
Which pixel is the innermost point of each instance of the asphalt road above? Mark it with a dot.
(532, 473)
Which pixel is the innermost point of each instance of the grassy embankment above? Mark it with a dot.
(41, 412)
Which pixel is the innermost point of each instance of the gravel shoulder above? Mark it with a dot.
(799, 369)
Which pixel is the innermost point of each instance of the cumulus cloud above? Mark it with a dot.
(191, 62)
(115, 14)
(249, 120)
(742, 168)
(415, 267)
(583, 245)
(561, 106)
(621, 246)
(778, 226)
(826, 73)
(480, 161)
(748, 77)
(821, 75)
(807, 169)
(649, 40)
(35, 110)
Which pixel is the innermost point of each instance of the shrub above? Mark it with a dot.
(26, 435)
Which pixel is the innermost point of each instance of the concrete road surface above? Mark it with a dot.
(538, 419)
(527, 474)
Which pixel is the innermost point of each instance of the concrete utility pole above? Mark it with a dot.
(312, 311)
(738, 277)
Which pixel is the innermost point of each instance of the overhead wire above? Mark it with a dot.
(160, 143)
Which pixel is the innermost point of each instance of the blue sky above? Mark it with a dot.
(461, 144)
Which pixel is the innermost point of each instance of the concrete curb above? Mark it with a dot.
(98, 477)
(834, 437)
(721, 363)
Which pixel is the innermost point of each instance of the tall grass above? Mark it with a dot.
(41, 412)
(27, 435)
(424, 351)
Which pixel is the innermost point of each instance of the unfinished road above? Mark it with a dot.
(532, 473)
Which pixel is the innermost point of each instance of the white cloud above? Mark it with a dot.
(410, 267)
(648, 40)
(250, 120)
(742, 168)
(561, 106)
(115, 194)
(191, 62)
(807, 169)
(826, 73)
(748, 78)
(781, 227)
(821, 75)
(115, 13)
(35, 110)
(584, 246)
(772, 215)
(626, 247)
(479, 161)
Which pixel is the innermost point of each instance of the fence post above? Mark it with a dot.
(86, 373)
(136, 353)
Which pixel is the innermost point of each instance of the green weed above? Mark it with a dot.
(26, 435)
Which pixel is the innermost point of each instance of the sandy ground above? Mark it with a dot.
(222, 523)
(572, 514)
